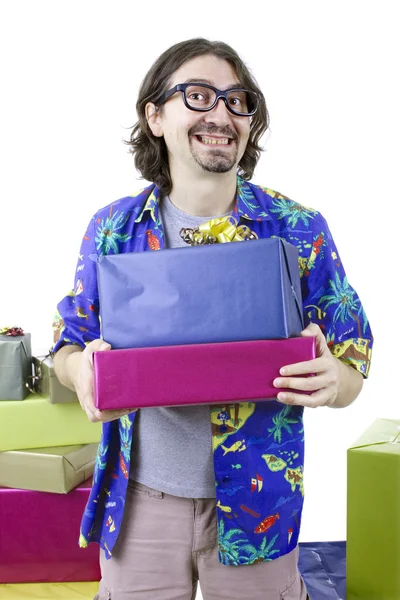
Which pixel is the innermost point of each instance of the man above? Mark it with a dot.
(164, 514)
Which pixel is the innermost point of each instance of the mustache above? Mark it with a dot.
(213, 129)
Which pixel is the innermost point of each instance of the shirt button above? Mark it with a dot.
(226, 479)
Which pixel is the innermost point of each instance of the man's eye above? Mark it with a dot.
(196, 96)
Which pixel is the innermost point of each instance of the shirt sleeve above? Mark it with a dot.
(331, 302)
(77, 317)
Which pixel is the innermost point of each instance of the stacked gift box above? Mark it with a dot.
(47, 455)
(217, 322)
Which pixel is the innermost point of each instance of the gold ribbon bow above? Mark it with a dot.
(221, 230)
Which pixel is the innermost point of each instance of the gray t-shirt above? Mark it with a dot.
(171, 448)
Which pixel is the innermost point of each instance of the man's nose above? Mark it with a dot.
(220, 112)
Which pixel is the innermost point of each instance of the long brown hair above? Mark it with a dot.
(150, 152)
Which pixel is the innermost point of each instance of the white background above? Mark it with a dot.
(70, 73)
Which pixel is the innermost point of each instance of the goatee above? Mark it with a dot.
(216, 163)
(214, 160)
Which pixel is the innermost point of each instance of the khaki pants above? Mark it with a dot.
(168, 544)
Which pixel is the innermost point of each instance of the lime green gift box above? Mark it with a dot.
(35, 423)
(373, 514)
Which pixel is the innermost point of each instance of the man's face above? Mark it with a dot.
(215, 140)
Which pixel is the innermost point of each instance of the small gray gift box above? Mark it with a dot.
(47, 383)
(15, 366)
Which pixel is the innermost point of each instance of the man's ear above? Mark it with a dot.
(153, 119)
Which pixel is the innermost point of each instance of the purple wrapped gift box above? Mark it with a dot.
(202, 294)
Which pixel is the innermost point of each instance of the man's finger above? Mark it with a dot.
(305, 384)
(319, 398)
(96, 346)
(311, 329)
(112, 415)
(308, 367)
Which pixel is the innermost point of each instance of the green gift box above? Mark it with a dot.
(47, 383)
(15, 366)
(56, 470)
(373, 514)
(35, 423)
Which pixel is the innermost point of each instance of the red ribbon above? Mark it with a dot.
(13, 331)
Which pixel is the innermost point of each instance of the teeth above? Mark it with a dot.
(207, 140)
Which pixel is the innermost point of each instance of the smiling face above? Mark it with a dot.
(212, 141)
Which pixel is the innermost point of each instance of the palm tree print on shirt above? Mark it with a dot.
(246, 196)
(101, 459)
(345, 300)
(125, 425)
(231, 551)
(282, 421)
(293, 212)
(227, 548)
(107, 236)
(261, 554)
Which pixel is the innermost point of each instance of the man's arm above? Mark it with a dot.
(66, 365)
(74, 369)
(350, 385)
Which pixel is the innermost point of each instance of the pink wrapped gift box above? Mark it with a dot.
(194, 374)
(39, 537)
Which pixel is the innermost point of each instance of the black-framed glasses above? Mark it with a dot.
(203, 97)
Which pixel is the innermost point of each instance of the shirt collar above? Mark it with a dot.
(247, 205)
(151, 204)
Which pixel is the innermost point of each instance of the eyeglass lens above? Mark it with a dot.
(200, 98)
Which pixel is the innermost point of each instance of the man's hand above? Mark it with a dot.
(333, 384)
(74, 368)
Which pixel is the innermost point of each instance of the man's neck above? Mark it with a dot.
(213, 194)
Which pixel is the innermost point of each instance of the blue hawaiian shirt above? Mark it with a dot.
(258, 448)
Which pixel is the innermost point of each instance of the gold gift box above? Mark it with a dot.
(47, 383)
(85, 590)
(57, 470)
